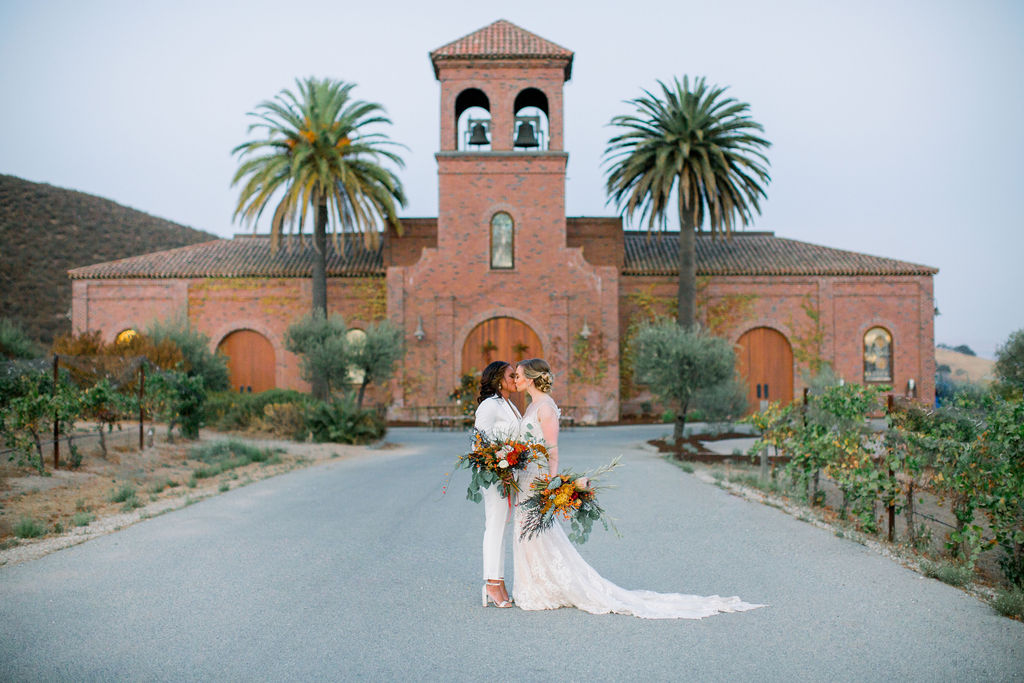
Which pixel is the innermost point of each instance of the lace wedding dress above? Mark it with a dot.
(549, 573)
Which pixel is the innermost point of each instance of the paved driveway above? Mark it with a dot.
(361, 569)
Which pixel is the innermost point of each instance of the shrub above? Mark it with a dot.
(341, 421)
(29, 528)
(180, 400)
(284, 419)
(15, 343)
(122, 494)
(195, 349)
(1010, 603)
(222, 456)
(82, 519)
(722, 402)
(229, 411)
(947, 572)
(1010, 361)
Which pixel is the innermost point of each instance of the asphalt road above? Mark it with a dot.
(360, 569)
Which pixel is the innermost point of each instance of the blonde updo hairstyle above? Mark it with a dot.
(539, 371)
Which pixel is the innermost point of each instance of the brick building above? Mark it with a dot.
(503, 273)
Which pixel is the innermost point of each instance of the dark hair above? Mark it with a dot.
(490, 380)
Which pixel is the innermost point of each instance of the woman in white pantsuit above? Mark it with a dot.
(497, 417)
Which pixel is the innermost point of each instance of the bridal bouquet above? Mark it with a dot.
(571, 496)
(495, 462)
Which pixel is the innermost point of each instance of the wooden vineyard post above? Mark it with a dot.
(142, 394)
(56, 417)
(892, 501)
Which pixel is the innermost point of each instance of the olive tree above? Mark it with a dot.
(678, 362)
(373, 357)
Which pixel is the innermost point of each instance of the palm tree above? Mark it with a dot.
(316, 152)
(700, 145)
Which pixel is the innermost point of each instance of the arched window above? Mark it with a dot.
(877, 355)
(502, 241)
(472, 121)
(356, 338)
(126, 337)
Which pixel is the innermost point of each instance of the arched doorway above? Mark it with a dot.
(250, 360)
(505, 339)
(765, 359)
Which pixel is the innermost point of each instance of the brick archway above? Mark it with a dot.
(250, 360)
(500, 338)
(764, 358)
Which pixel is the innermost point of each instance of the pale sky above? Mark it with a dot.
(896, 125)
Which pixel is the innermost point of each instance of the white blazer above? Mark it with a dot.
(497, 417)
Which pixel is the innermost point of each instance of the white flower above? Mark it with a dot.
(503, 464)
(504, 450)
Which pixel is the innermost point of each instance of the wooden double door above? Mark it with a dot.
(506, 339)
(250, 361)
(765, 359)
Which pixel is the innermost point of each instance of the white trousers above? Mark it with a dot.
(496, 516)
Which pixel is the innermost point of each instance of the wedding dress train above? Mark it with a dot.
(549, 573)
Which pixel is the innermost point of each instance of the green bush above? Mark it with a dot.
(29, 528)
(722, 402)
(15, 343)
(195, 348)
(341, 421)
(1010, 603)
(228, 411)
(122, 494)
(82, 519)
(221, 456)
(284, 419)
(947, 572)
(180, 399)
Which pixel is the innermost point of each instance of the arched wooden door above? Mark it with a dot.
(250, 360)
(504, 339)
(765, 359)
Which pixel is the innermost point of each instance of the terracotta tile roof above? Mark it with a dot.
(756, 253)
(502, 40)
(243, 256)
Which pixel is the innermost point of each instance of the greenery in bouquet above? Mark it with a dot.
(495, 462)
(570, 496)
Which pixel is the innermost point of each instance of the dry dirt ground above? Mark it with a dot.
(161, 475)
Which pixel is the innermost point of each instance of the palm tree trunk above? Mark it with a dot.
(320, 390)
(320, 262)
(687, 313)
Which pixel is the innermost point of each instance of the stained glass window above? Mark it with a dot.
(502, 253)
(126, 336)
(878, 355)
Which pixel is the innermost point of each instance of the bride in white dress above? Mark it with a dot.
(549, 573)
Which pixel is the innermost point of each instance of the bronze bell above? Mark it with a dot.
(525, 137)
(478, 136)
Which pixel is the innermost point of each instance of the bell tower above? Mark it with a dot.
(495, 278)
(501, 164)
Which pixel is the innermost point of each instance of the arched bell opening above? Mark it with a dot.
(530, 132)
(472, 121)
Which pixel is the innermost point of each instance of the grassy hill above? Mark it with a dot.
(46, 230)
(964, 367)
